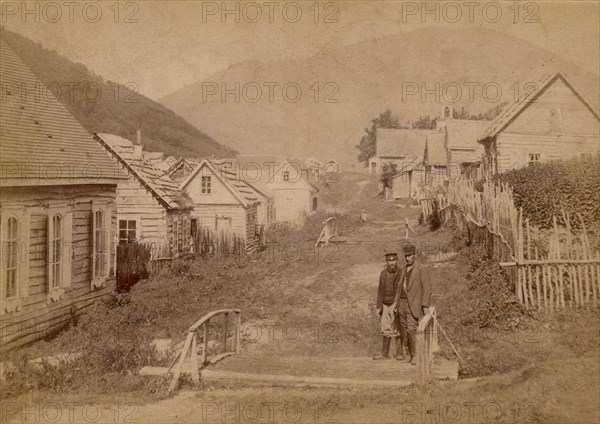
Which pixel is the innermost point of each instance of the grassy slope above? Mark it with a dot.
(526, 357)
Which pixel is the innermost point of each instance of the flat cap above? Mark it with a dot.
(391, 254)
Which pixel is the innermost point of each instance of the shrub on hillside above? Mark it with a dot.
(546, 190)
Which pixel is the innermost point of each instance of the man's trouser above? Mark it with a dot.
(410, 323)
(389, 322)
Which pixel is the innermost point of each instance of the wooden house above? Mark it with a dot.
(552, 122)
(463, 152)
(400, 147)
(223, 202)
(295, 196)
(150, 206)
(57, 210)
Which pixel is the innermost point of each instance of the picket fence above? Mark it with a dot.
(550, 268)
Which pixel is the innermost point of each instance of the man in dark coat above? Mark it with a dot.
(386, 306)
(413, 298)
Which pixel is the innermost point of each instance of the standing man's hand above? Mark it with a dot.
(394, 307)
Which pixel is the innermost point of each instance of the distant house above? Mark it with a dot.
(223, 202)
(295, 196)
(400, 146)
(150, 206)
(428, 169)
(464, 153)
(552, 122)
(57, 210)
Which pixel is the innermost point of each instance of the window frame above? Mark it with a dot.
(98, 281)
(60, 251)
(206, 184)
(22, 216)
(534, 159)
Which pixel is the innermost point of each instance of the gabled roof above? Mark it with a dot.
(190, 163)
(512, 111)
(402, 143)
(41, 143)
(463, 134)
(243, 191)
(164, 189)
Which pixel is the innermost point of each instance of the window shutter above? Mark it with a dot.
(23, 256)
(93, 239)
(2, 259)
(49, 234)
(67, 250)
(106, 234)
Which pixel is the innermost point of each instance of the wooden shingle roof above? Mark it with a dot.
(41, 143)
(163, 188)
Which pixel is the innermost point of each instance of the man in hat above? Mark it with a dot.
(413, 298)
(386, 295)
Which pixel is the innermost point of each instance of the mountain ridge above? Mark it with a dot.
(118, 109)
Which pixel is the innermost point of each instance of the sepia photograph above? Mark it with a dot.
(299, 211)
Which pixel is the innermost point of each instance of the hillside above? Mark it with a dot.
(367, 78)
(104, 106)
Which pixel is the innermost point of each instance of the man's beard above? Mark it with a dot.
(392, 268)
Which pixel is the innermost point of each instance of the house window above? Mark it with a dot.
(314, 204)
(100, 243)
(286, 175)
(12, 238)
(176, 233)
(101, 224)
(59, 239)
(206, 185)
(127, 230)
(56, 254)
(534, 158)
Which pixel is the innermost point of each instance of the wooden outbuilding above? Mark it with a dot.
(57, 210)
(151, 208)
(551, 122)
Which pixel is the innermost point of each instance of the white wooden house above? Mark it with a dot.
(295, 197)
(552, 122)
(223, 202)
(57, 210)
(150, 206)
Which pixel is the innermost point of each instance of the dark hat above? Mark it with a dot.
(409, 249)
(391, 254)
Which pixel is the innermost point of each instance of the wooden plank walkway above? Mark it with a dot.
(305, 371)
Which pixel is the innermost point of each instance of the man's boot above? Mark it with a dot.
(402, 344)
(385, 349)
(412, 347)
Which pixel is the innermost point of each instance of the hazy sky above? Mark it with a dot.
(174, 43)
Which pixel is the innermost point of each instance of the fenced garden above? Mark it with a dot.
(552, 263)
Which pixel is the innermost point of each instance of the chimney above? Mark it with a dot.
(137, 148)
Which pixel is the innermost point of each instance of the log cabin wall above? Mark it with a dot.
(40, 315)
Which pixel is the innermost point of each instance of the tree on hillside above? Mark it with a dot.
(388, 170)
(366, 147)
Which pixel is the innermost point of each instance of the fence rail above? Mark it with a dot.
(550, 268)
(191, 344)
